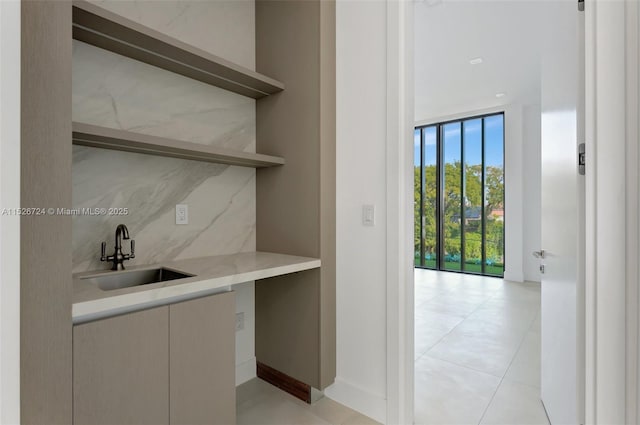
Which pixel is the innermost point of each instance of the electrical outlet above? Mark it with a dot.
(182, 214)
(239, 321)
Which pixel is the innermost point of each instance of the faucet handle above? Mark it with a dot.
(103, 257)
(133, 249)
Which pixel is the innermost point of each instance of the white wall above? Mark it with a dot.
(361, 251)
(361, 62)
(531, 191)
(9, 225)
(514, 196)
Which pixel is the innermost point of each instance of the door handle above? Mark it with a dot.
(538, 254)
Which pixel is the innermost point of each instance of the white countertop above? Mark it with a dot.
(211, 275)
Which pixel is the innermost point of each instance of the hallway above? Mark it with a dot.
(477, 350)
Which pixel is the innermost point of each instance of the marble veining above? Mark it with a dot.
(208, 25)
(221, 203)
(117, 92)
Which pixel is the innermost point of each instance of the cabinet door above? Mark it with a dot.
(202, 360)
(121, 369)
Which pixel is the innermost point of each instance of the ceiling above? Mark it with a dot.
(450, 33)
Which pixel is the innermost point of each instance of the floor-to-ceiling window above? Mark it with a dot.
(459, 195)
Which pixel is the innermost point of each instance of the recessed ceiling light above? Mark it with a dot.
(501, 94)
(475, 61)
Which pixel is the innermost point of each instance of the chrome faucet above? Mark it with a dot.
(118, 257)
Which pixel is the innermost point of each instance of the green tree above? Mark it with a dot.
(494, 182)
(429, 205)
(473, 185)
(416, 212)
(454, 200)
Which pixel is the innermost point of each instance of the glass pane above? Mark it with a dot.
(416, 192)
(452, 195)
(473, 195)
(494, 194)
(429, 196)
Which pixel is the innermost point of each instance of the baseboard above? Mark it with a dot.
(245, 371)
(365, 402)
(514, 277)
(530, 280)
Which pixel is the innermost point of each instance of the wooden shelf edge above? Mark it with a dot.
(109, 138)
(102, 28)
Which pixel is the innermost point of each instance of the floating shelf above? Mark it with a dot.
(109, 138)
(101, 28)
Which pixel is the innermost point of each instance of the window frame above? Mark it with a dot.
(440, 192)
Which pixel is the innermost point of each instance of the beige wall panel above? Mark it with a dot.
(287, 328)
(45, 251)
(328, 192)
(288, 199)
(295, 43)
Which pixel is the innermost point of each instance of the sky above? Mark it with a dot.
(493, 127)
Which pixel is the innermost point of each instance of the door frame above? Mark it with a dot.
(611, 279)
(399, 205)
(10, 24)
(611, 372)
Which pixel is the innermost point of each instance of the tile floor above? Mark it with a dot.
(477, 350)
(259, 403)
(477, 343)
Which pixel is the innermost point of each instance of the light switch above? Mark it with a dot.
(368, 215)
(182, 214)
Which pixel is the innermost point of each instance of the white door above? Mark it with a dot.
(561, 213)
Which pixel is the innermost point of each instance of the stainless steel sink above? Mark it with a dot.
(128, 279)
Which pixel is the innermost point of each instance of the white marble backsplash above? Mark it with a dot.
(114, 91)
(225, 28)
(117, 92)
(221, 203)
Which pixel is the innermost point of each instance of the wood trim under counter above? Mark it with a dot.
(285, 382)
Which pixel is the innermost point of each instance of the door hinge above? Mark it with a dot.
(581, 5)
(581, 159)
